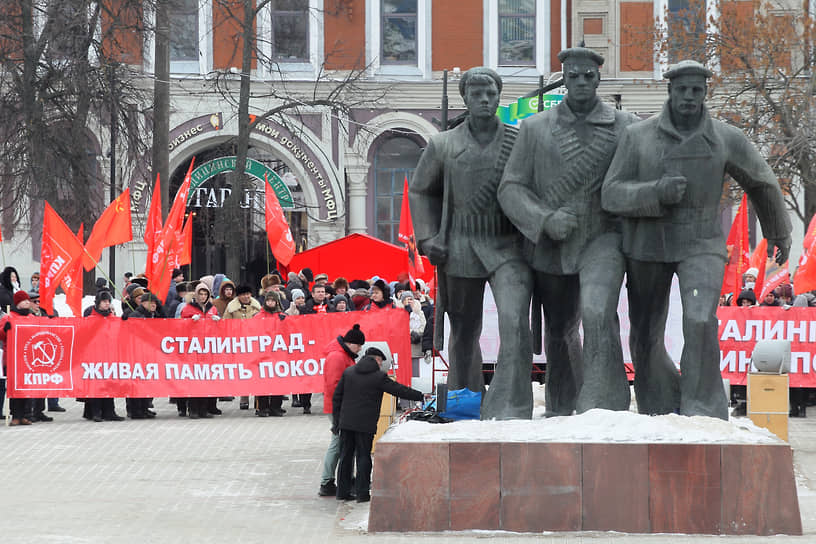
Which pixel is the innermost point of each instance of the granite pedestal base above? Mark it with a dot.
(739, 489)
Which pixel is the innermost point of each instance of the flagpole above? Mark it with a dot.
(101, 271)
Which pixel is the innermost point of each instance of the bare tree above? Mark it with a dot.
(339, 92)
(764, 83)
(58, 61)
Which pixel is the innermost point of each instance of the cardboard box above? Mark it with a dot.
(776, 423)
(768, 402)
(768, 393)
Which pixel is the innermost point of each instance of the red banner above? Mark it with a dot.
(109, 357)
(740, 328)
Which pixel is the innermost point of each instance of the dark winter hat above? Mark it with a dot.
(359, 284)
(177, 272)
(102, 295)
(580, 53)
(687, 67)
(101, 284)
(20, 296)
(747, 295)
(354, 336)
(307, 273)
(34, 296)
(382, 286)
(376, 352)
(241, 289)
(340, 298)
(142, 282)
(151, 297)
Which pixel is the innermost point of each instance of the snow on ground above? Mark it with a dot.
(593, 426)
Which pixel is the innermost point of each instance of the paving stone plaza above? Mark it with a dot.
(234, 478)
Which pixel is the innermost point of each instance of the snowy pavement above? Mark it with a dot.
(235, 478)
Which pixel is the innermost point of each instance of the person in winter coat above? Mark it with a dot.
(340, 355)
(150, 308)
(244, 306)
(319, 303)
(20, 307)
(340, 303)
(226, 292)
(380, 297)
(9, 284)
(356, 407)
(270, 405)
(198, 308)
(98, 409)
(298, 305)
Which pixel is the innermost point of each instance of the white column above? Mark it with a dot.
(662, 64)
(357, 193)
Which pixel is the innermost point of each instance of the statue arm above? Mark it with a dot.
(752, 173)
(518, 200)
(426, 192)
(622, 192)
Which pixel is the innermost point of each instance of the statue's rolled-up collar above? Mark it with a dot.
(601, 114)
(706, 129)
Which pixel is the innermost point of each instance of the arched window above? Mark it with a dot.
(394, 160)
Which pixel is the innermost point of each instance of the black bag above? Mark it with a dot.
(428, 416)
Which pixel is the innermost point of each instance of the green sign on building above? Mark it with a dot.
(254, 168)
(525, 107)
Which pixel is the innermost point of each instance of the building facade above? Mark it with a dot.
(344, 169)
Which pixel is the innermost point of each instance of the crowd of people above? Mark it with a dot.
(217, 297)
(750, 292)
(352, 389)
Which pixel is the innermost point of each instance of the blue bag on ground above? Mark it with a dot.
(463, 404)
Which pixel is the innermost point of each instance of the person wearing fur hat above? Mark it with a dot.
(21, 308)
(101, 409)
(243, 306)
(380, 297)
(340, 354)
(200, 307)
(341, 286)
(270, 405)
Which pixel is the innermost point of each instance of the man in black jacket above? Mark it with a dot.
(356, 408)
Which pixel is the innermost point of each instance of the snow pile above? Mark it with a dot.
(592, 426)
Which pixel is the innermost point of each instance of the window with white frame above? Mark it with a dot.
(517, 32)
(399, 32)
(517, 36)
(289, 28)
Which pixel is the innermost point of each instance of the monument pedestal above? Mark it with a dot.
(527, 486)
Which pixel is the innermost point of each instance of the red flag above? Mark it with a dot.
(810, 234)
(277, 228)
(738, 253)
(154, 219)
(160, 266)
(759, 260)
(185, 251)
(805, 278)
(113, 227)
(779, 277)
(72, 281)
(60, 248)
(406, 234)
